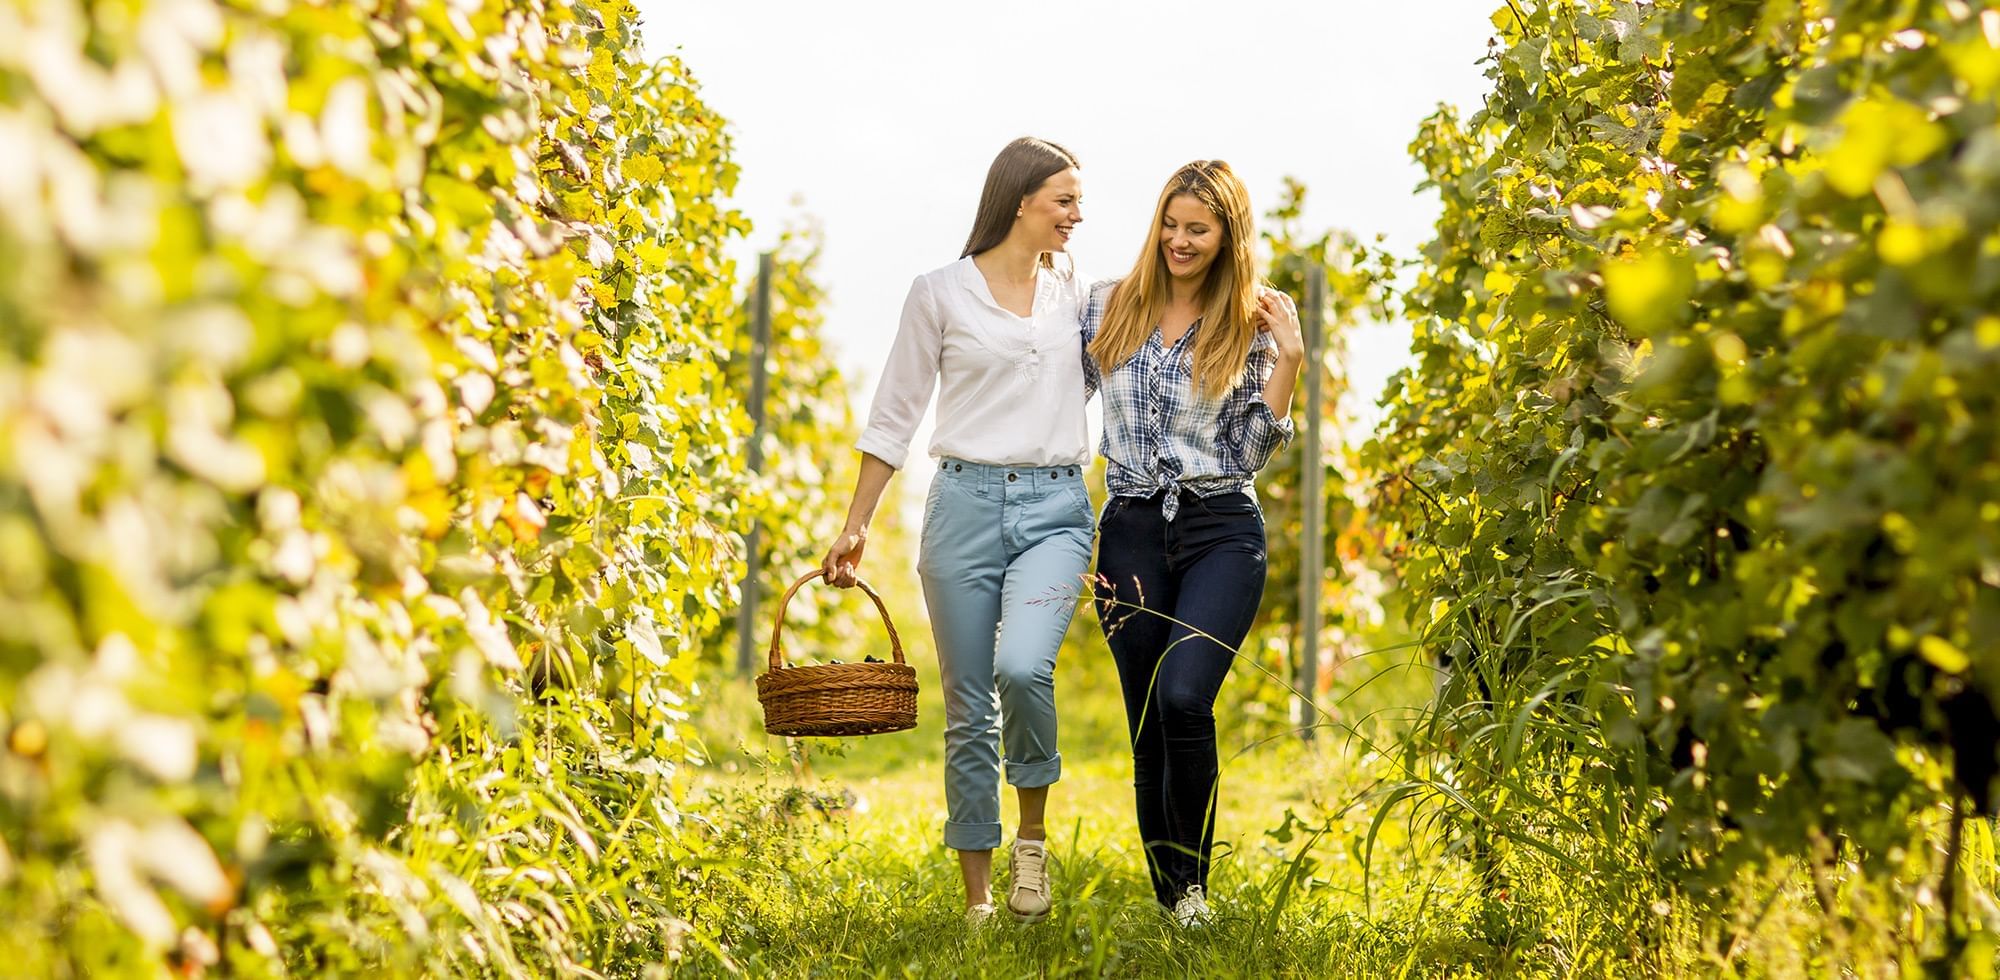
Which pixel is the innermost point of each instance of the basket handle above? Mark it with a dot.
(778, 628)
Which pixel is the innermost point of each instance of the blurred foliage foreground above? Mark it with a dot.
(371, 480)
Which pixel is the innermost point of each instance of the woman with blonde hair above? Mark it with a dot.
(1196, 363)
(1007, 526)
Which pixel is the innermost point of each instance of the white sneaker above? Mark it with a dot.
(1191, 912)
(979, 915)
(1028, 897)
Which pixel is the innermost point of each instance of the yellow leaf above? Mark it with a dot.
(1876, 134)
(1729, 348)
(644, 168)
(1987, 332)
(1943, 655)
(652, 256)
(1900, 243)
(1650, 292)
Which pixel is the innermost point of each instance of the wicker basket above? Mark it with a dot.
(837, 699)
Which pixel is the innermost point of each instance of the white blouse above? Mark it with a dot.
(1010, 388)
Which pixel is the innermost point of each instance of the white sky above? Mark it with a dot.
(878, 119)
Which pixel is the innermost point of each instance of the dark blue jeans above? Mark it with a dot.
(1160, 587)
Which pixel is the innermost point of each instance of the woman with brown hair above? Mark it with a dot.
(1007, 526)
(1196, 363)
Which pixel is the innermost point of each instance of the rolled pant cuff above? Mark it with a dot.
(971, 836)
(1035, 775)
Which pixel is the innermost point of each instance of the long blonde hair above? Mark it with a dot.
(1229, 289)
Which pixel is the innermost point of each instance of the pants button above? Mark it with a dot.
(1011, 478)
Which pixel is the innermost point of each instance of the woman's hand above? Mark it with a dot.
(1277, 316)
(844, 558)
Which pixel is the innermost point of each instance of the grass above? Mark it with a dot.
(852, 880)
(832, 859)
(826, 860)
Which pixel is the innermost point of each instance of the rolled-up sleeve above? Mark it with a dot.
(909, 378)
(1249, 428)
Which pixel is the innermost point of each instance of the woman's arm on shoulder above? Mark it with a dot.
(1090, 313)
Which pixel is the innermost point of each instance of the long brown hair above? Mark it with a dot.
(1021, 168)
(1228, 290)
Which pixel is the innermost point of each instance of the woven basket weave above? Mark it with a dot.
(837, 699)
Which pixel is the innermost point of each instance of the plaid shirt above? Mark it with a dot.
(1159, 432)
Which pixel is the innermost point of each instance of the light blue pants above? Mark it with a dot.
(1004, 553)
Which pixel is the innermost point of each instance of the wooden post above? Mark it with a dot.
(1312, 502)
(760, 351)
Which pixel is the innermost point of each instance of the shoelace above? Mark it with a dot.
(1031, 875)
